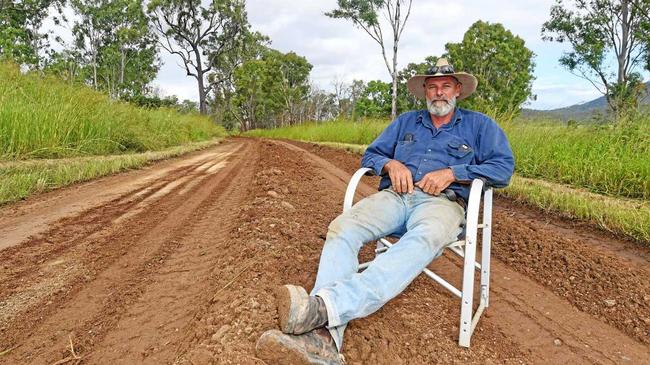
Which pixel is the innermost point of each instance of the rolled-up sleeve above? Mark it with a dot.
(496, 162)
(382, 149)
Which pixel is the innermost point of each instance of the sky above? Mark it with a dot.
(340, 52)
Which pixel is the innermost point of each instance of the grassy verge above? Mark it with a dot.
(611, 160)
(20, 179)
(45, 117)
(628, 217)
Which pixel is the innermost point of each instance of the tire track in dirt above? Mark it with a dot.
(114, 264)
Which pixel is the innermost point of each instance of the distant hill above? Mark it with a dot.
(581, 111)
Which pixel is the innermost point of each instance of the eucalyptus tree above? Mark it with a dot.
(610, 41)
(199, 34)
(365, 14)
(117, 45)
(271, 90)
(20, 23)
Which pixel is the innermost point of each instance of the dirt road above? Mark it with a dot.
(175, 264)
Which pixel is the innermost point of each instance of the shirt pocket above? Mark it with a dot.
(403, 150)
(459, 152)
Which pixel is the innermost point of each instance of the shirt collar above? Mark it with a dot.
(455, 119)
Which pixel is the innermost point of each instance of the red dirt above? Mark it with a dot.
(176, 263)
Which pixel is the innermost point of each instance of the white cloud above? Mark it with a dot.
(340, 51)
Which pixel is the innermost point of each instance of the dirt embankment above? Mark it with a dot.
(176, 264)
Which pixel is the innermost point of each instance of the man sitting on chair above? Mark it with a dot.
(427, 159)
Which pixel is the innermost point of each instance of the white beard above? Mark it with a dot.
(439, 110)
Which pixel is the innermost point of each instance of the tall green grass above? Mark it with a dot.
(605, 159)
(44, 117)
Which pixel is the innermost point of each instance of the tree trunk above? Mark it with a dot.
(393, 109)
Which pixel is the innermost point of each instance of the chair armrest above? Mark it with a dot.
(352, 186)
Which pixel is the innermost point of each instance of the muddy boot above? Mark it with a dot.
(298, 312)
(315, 347)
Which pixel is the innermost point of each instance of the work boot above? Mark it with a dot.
(299, 312)
(315, 347)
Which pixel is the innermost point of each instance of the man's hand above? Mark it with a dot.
(400, 177)
(436, 181)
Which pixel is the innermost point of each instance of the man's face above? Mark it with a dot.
(441, 93)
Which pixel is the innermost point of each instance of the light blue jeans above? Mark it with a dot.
(428, 224)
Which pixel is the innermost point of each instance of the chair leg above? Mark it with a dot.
(486, 248)
(466, 301)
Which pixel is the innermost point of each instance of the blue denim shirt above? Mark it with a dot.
(471, 144)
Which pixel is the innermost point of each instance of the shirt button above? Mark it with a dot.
(425, 160)
(429, 150)
(419, 173)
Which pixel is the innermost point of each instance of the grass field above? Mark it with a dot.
(54, 134)
(44, 117)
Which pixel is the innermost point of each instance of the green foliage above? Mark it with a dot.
(603, 33)
(20, 21)
(48, 118)
(501, 63)
(375, 100)
(114, 45)
(340, 131)
(270, 89)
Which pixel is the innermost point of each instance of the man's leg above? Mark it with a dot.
(372, 218)
(431, 224)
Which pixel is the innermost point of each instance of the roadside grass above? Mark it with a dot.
(604, 159)
(628, 217)
(46, 117)
(19, 179)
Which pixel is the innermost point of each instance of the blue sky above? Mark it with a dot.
(338, 51)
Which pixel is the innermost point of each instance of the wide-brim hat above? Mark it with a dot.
(467, 81)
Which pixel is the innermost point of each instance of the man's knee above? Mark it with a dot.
(341, 224)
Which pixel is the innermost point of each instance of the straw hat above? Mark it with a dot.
(442, 68)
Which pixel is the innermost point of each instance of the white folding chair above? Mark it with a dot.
(465, 247)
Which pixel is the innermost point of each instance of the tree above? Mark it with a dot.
(365, 15)
(375, 101)
(117, 45)
(198, 34)
(501, 63)
(250, 46)
(597, 31)
(20, 22)
(272, 90)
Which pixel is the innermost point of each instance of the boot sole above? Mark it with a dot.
(287, 297)
(273, 350)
